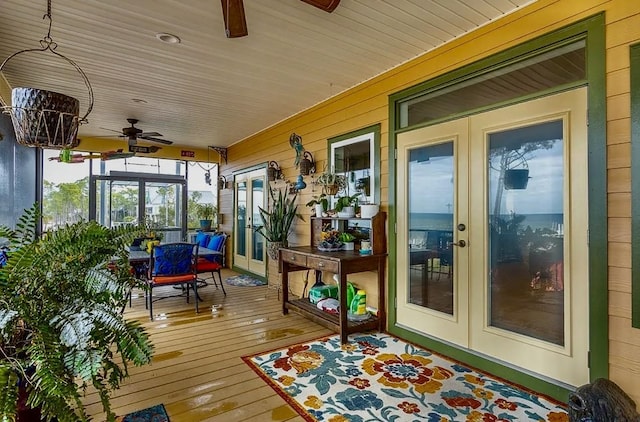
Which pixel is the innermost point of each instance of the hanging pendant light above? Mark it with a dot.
(44, 118)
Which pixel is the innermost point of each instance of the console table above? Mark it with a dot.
(342, 263)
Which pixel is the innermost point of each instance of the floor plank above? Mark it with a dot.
(197, 371)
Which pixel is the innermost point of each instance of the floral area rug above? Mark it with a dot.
(378, 377)
(155, 413)
(245, 281)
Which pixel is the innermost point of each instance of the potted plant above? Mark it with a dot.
(348, 240)
(346, 205)
(61, 323)
(320, 202)
(205, 213)
(276, 222)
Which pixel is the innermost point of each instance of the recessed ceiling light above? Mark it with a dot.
(168, 38)
(139, 100)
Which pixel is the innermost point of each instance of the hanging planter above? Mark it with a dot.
(516, 179)
(43, 118)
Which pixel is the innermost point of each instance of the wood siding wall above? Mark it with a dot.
(367, 104)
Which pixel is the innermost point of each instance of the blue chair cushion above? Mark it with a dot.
(215, 242)
(202, 239)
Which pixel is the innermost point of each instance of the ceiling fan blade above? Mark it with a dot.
(149, 134)
(326, 5)
(111, 130)
(235, 23)
(152, 139)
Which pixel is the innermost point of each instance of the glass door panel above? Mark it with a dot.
(433, 275)
(163, 207)
(431, 226)
(526, 223)
(249, 252)
(530, 299)
(241, 220)
(257, 199)
(123, 205)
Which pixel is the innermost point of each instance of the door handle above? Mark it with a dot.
(460, 243)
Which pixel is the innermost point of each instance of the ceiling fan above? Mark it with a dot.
(236, 25)
(132, 133)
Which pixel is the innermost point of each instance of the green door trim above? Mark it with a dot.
(634, 55)
(592, 30)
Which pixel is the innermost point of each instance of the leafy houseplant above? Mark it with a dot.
(321, 202)
(61, 323)
(205, 213)
(347, 201)
(276, 223)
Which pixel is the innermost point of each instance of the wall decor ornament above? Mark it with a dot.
(44, 118)
(273, 171)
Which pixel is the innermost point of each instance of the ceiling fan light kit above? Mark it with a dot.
(44, 118)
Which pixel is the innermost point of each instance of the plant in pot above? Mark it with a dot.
(320, 202)
(346, 205)
(205, 213)
(277, 220)
(61, 322)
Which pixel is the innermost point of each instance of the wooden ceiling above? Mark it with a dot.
(213, 90)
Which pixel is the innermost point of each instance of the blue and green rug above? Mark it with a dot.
(244, 280)
(378, 377)
(155, 413)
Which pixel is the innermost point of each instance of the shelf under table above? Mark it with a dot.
(330, 321)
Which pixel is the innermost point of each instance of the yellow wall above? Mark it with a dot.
(166, 151)
(367, 104)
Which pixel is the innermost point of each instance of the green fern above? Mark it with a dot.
(61, 301)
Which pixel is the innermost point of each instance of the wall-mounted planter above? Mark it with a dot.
(516, 178)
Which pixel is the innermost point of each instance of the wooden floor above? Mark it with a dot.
(197, 371)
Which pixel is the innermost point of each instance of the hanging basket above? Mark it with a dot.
(331, 189)
(516, 178)
(43, 118)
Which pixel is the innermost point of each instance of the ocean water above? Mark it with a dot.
(436, 221)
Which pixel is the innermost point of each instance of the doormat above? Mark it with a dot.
(378, 377)
(155, 413)
(245, 281)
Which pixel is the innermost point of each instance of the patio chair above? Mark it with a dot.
(214, 263)
(173, 264)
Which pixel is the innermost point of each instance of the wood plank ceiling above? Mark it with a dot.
(211, 90)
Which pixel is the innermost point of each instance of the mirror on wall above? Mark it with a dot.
(356, 156)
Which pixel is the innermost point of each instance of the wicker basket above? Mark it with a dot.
(44, 118)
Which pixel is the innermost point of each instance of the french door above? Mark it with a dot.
(249, 247)
(492, 234)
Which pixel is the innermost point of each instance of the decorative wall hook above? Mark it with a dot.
(307, 165)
